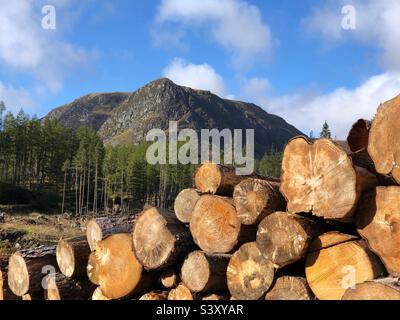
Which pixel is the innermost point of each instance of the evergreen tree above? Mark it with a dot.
(326, 131)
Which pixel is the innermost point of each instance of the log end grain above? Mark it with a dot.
(181, 292)
(184, 204)
(290, 288)
(18, 276)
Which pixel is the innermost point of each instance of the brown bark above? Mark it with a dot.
(59, 287)
(181, 292)
(382, 289)
(160, 240)
(359, 135)
(169, 278)
(249, 273)
(72, 257)
(320, 178)
(203, 272)
(254, 199)
(290, 288)
(184, 204)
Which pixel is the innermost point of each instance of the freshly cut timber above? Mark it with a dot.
(116, 269)
(333, 269)
(215, 226)
(184, 204)
(359, 135)
(382, 289)
(378, 221)
(98, 295)
(26, 273)
(169, 278)
(384, 137)
(97, 229)
(181, 292)
(320, 178)
(284, 238)
(27, 297)
(203, 272)
(215, 297)
(155, 295)
(290, 288)
(59, 287)
(249, 273)
(254, 199)
(72, 257)
(218, 179)
(160, 240)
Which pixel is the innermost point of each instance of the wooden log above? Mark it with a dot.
(160, 240)
(382, 289)
(155, 295)
(60, 287)
(27, 297)
(98, 295)
(169, 278)
(333, 269)
(115, 268)
(378, 221)
(181, 292)
(284, 238)
(27, 272)
(72, 257)
(203, 272)
(320, 178)
(184, 204)
(215, 226)
(359, 135)
(290, 288)
(215, 297)
(249, 273)
(254, 199)
(97, 229)
(384, 135)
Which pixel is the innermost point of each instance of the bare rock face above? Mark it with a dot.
(122, 118)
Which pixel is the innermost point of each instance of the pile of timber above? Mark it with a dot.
(329, 229)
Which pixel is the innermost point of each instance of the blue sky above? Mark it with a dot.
(293, 58)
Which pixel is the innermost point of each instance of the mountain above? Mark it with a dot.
(123, 117)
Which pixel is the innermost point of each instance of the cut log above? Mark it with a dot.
(60, 287)
(169, 278)
(284, 238)
(160, 240)
(27, 272)
(72, 257)
(27, 297)
(320, 178)
(184, 204)
(215, 226)
(249, 273)
(202, 272)
(359, 135)
(219, 179)
(114, 267)
(155, 295)
(181, 292)
(384, 137)
(215, 297)
(332, 270)
(290, 288)
(98, 295)
(378, 221)
(97, 229)
(382, 289)
(254, 199)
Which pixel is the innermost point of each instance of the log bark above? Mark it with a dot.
(378, 221)
(184, 204)
(203, 272)
(72, 257)
(27, 271)
(359, 135)
(60, 287)
(384, 135)
(155, 295)
(97, 229)
(98, 295)
(382, 289)
(160, 240)
(254, 199)
(181, 292)
(249, 273)
(333, 269)
(290, 288)
(320, 178)
(114, 267)
(284, 238)
(169, 278)
(215, 226)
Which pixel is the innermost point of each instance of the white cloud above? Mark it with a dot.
(16, 98)
(256, 89)
(234, 24)
(376, 25)
(196, 76)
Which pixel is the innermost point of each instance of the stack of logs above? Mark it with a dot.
(329, 229)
